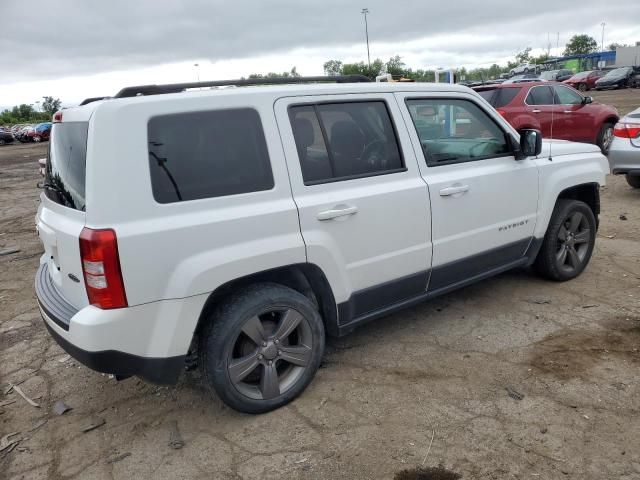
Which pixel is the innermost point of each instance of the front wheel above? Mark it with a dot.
(633, 181)
(605, 137)
(261, 347)
(37, 139)
(569, 241)
(583, 87)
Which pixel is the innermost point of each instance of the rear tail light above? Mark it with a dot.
(501, 111)
(627, 130)
(101, 268)
(57, 117)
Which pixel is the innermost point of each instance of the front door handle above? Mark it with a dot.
(445, 192)
(568, 111)
(337, 211)
(535, 110)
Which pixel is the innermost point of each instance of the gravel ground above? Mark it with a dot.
(511, 378)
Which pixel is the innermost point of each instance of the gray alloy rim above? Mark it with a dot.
(270, 354)
(607, 138)
(582, 87)
(573, 242)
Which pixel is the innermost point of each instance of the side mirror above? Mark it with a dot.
(530, 144)
(587, 100)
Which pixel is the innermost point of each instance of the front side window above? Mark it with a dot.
(340, 141)
(566, 96)
(207, 154)
(454, 131)
(541, 95)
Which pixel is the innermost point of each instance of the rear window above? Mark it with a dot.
(207, 154)
(65, 170)
(500, 97)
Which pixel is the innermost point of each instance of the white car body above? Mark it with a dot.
(404, 230)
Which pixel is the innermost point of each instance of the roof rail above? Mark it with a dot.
(180, 87)
(91, 100)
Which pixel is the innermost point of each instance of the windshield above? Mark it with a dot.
(65, 170)
(618, 72)
(581, 75)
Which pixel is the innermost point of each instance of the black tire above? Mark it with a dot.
(2, 141)
(633, 181)
(223, 342)
(605, 137)
(583, 87)
(550, 263)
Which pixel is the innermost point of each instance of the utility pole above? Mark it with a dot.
(365, 11)
(602, 44)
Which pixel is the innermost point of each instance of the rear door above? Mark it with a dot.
(363, 206)
(539, 104)
(483, 201)
(61, 215)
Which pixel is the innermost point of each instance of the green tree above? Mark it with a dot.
(333, 67)
(615, 45)
(580, 44)
(395, 66)
(523, 56)
(51, 105)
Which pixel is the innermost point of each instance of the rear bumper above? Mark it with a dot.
(75, 329)
(623, 156)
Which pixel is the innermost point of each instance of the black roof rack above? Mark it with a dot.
(92, 99)
(180, 87)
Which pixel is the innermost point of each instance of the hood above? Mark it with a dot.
(564, 147)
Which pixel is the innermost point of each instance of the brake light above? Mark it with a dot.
(101, 268)
(57, 117)
(627, 130)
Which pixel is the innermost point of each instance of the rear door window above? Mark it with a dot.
(342, 141)
(66, 164)
(207, 154)
(541, 95)
(566, 96)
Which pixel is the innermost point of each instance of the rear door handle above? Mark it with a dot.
(337, 211)
(535, 110)
(445, 192)
(568, 111)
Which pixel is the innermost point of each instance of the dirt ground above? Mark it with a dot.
(512, 378)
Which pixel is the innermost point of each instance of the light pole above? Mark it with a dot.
(365, 11)
(197, 71)
(602, 44)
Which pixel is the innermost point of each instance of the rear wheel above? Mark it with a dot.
(605, 137)
(569, 241)
(261, 347)
(37, 138)
(633, 181)
(583, 87)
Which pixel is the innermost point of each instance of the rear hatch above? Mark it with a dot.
(61, 215)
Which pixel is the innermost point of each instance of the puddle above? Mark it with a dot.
(428, 473)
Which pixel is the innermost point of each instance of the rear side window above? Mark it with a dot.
(207, 154)
(66, 163)
(540, 96)
(500, 97)
(341, 141)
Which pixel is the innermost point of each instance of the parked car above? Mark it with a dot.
(5, 136)
(23, 134)
(556, 75)
(616, 78)
(39, 133)
(540, 105)
(523, 68)
(584, 81)
(624, 154)
(526, 77)
(299, 210)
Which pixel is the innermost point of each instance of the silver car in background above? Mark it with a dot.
(624, 153)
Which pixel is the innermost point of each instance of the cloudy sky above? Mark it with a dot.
(74, 49)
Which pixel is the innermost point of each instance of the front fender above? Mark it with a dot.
(561, 173)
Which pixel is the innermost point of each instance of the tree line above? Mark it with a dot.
(25, 113)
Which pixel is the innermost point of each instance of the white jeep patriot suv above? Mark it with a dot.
(247, 223)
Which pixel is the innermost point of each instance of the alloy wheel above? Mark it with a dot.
(607, 138)
(573, 242)
(270, 354)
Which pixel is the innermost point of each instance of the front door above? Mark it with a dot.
(483, 201)
(363, 206)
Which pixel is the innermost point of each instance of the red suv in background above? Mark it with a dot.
(584, 81)
(539, 104)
